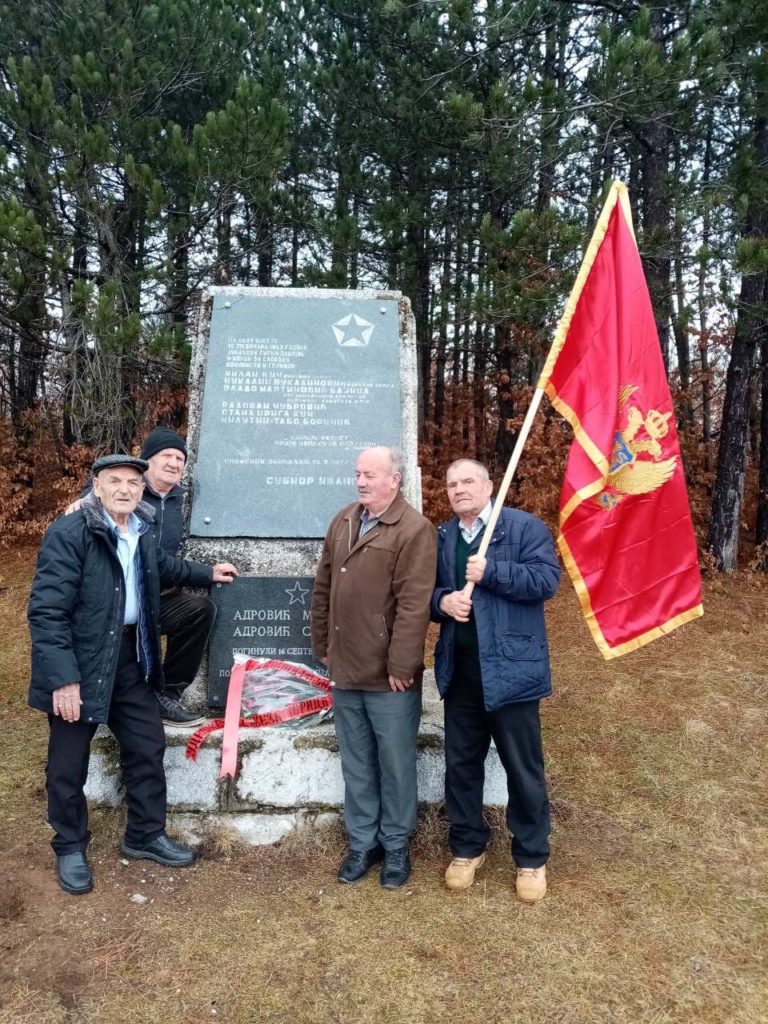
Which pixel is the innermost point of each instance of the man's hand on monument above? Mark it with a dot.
(66, 702)
(399, 684)
(74, 507)
(456, 605)
(223, 572)
(475, 568)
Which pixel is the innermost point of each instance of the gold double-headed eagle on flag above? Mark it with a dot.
(631, 470)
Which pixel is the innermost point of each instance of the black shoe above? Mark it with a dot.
(396, 868)
(358, 863)
(174, 715)
(73, 873)
(162, 850)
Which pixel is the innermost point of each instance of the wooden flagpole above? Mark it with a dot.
(498, 504)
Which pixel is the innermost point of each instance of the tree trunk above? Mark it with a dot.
(417, 271)
(706, 382)
(441, 355)
(502, 332)
(727, 497)
(751, 332)
(223, 271)
(179, 240)
(265, 249)
(654, 151)
(30, 316)
(761, 530)
(340, 237)
(72, 325)
(680, 329)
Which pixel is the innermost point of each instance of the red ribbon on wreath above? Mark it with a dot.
(232, 721)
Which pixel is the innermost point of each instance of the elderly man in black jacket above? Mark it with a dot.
(93, 617)
(186, 619)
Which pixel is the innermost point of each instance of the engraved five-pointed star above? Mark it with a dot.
(352, 331)
(296, 593)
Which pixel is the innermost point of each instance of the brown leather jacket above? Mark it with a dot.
(370, 604)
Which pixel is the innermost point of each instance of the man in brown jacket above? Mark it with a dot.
(370, 613)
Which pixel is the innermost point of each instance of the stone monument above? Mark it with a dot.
(286, 386)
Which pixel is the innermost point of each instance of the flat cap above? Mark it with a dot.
(113, 461)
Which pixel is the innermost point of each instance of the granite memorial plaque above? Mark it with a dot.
(294, 388)
(261, 617)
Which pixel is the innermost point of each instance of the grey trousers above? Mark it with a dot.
(377, 732)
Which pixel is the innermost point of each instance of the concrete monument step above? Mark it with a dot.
(288, 777)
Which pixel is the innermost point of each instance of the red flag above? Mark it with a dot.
(626, 535)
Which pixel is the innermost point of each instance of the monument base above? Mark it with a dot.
(288, 778)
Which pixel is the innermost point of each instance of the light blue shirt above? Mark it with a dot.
(367, 522)
(470, 532)
(126, 552)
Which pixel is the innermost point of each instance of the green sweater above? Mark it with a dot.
(465, 632)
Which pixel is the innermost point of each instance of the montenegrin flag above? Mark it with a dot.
(626, 535)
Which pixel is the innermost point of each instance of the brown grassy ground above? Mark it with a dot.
(657, 911)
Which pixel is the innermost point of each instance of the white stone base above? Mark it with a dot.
(287, 778)
(254, 829)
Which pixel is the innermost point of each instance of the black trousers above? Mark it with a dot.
(134, 718)
(516, 731)
(186, 620)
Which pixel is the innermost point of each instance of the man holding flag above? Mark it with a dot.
(492, 669)
(625, 535)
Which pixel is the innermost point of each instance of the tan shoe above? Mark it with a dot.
(531, 884)
(460, 873)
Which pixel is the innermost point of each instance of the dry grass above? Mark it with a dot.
(657, 912)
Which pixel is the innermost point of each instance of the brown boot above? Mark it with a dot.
(531, 884)
(460, 873)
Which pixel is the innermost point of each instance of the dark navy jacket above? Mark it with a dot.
(522, 572)
(77, 606)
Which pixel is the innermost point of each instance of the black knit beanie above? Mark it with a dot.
(160, 439)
